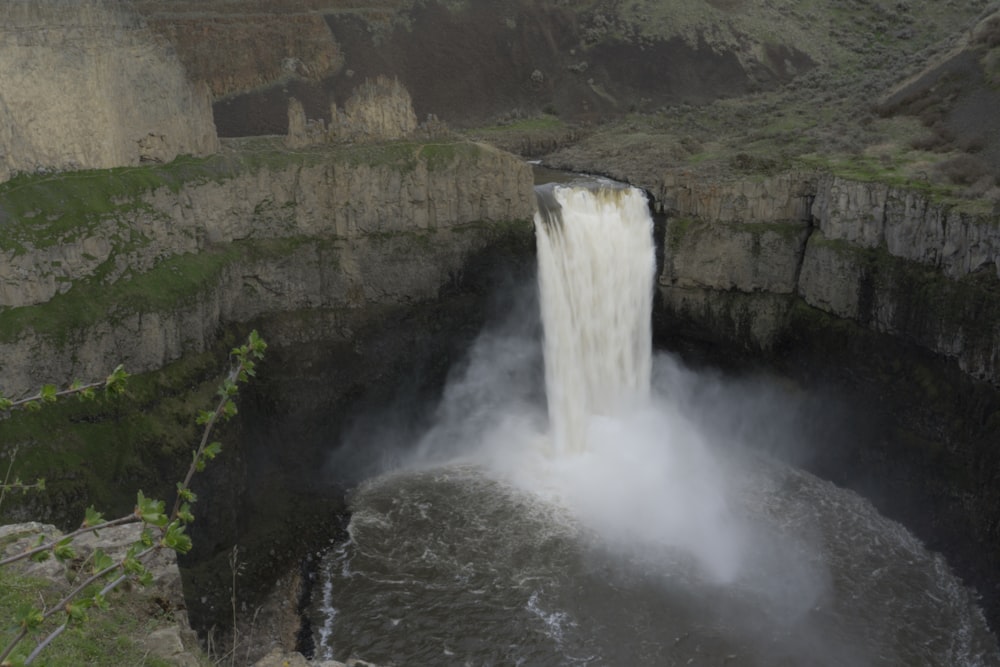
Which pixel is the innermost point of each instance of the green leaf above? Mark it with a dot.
(131, 564)
(204, 416)
(100, 602)
(101, 562)
(76, 612)
(48, 393)
(212, 450)
(228, 388)
(150, 510)
(63, 549)
(5, 404)
(41, 556)
(40, 484)
(256, 344)
(28, 617)
(175, 538)
(115, 383)
(92, 517)
(186, 493)
(184, 513)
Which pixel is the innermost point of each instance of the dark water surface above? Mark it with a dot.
(450, 567)
(643, 533)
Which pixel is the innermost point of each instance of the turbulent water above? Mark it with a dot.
(612, 523)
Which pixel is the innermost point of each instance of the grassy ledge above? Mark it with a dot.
(43, 210)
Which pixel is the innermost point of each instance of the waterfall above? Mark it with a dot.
(596, 264)
(630, 527)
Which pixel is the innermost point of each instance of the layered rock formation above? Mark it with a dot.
(167, 261)
(351, 261)
(890, 259)
(379, 110)
(85, 85)
(236, 47)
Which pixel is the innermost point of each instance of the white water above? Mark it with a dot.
(625, 463)
(616, 521)
(595, 276)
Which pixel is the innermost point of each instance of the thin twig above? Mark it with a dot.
(6, 477)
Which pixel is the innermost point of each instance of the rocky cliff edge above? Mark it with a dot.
(742, 253)
(140, 265)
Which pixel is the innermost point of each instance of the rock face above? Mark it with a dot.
(889, 259)
(174, 643)
(234, 47)
(84, 85)
(470, 62)
(316, 232)
(342, 256)
(379, 110)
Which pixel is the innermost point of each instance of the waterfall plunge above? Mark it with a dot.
(596, 264)
(628, 465)
(606, 536)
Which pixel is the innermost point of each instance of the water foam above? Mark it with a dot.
(624, 462)
(621, 523)
(596, 265)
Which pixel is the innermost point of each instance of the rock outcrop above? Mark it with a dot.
(85, 85)
(890, 259)
(237, 240)
(235, 47)
(378, 110)
(173, 642)
(883, 298)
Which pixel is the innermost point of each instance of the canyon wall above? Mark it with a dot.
(141, 271)
(86, 85)
(742, 254)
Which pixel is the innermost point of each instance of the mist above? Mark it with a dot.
(662, 484)
(676, 494)
(663, 480)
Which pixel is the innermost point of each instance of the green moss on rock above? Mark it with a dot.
(101, 452)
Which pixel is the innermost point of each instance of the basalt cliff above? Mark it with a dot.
(742, 255)
(164, 257)
(86, 85)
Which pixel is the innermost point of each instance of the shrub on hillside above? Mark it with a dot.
(963, 169)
